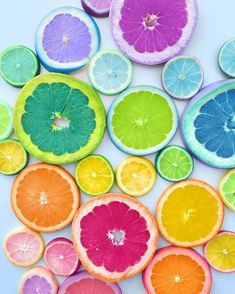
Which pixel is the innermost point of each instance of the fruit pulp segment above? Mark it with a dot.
(5, 120)
(37, 284)
(228, 189)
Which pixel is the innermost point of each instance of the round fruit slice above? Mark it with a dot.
(189, 213)
(110, 72)
(220, 252)
(97, 8)
(208, 125)
(23, 247)
(94, 175)
(38, 280)
(174, 163)
(83, 282)
(66, 39)
(182, 77)
(60, 257)
(136, 176)
(151, 32)
(59, 119)
(142, 120)
(179, 270)
(227, 189)
(18, 65)
(6, 120)
(45, 197)
(227, 58)
(115, 236)
(13, 157)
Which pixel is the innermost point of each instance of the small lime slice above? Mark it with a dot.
(226, 58)
(18, 65)
(6, 120)
(94, 175)
(13, 157)
(110, 72)
(227, 189)
(174, 163)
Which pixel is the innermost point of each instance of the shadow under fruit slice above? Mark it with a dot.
(59, 119)
(45, 197)
(115, 236)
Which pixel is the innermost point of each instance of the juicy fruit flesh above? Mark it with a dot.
(5, 120)
(228, 189)
(37, 284)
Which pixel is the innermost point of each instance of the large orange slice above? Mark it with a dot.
(45, 197)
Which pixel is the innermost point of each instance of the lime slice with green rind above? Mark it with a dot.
(227, 189)
(226, 58)
(6, 120)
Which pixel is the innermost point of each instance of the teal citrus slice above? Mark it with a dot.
(226, 58)
(6, 120)
(110, 72)
(18, 65)
(174, 163)
(59, 119)
(227, 189)
(142, 120)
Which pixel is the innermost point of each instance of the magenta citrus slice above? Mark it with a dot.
(152, 32)
(115, 236)
(97, 8)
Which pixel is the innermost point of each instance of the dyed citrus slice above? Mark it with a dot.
(142, 120)
(189, 213)
(208, 125)
(45, 197)
(152, 32)
(59, 119)
(23, 247)
(83, 282)
(227, 58)
(66, 39)
(110, 72)
(13, 157)
(220, 252)
(6, 120)
(97, 8)
(60, 257)
(182, 77)
(94, 175)
(115, 236)
(38, 280)
(174, 163)
(179, 270)
(227, 189)
(136, 176)
(18, 65)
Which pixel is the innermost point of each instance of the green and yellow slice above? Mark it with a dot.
(6, 120)
(227, 189)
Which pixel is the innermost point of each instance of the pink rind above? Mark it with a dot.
(94, 12)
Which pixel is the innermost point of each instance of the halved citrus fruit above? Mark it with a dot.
(115, 236)
(177, 270)
(6, 120)
(226, 58)
(136, 176)
(227, 189)
(45, 197)
(189, 213)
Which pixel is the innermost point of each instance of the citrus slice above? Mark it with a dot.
(136, 176)
(23, 247)
(18, 65)
(152, 32)
(182, 77)
(6, 120)
(59, 119)
(189, 213)
(83, 282)
(45, 197)
(13, 157)
(115, 236)
(38, 280)
(227, 189)
(66, 39)
(97, 8)
(60, 257)
(94, 175)
(227, 58)
(208, 125)
(142, 120)
(174, 163)
(110, 72)
(220, 252)
(179, 271)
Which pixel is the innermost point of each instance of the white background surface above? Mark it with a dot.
(18, 22)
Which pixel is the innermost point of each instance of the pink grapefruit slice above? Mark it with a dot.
(97, 8)
(60, 257)
(115, 236)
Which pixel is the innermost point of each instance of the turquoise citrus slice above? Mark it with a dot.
(59, 119)
(6, 120)
(18, 65)
(226, 58)
(142, 120)
(227, 189)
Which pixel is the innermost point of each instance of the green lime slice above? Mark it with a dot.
(174, 163)
(18, 65)
(227, 189)
(6, 120)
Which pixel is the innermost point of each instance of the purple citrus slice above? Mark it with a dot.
(152, 32)
(66, 39)
(97, 8)
(115, 236)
